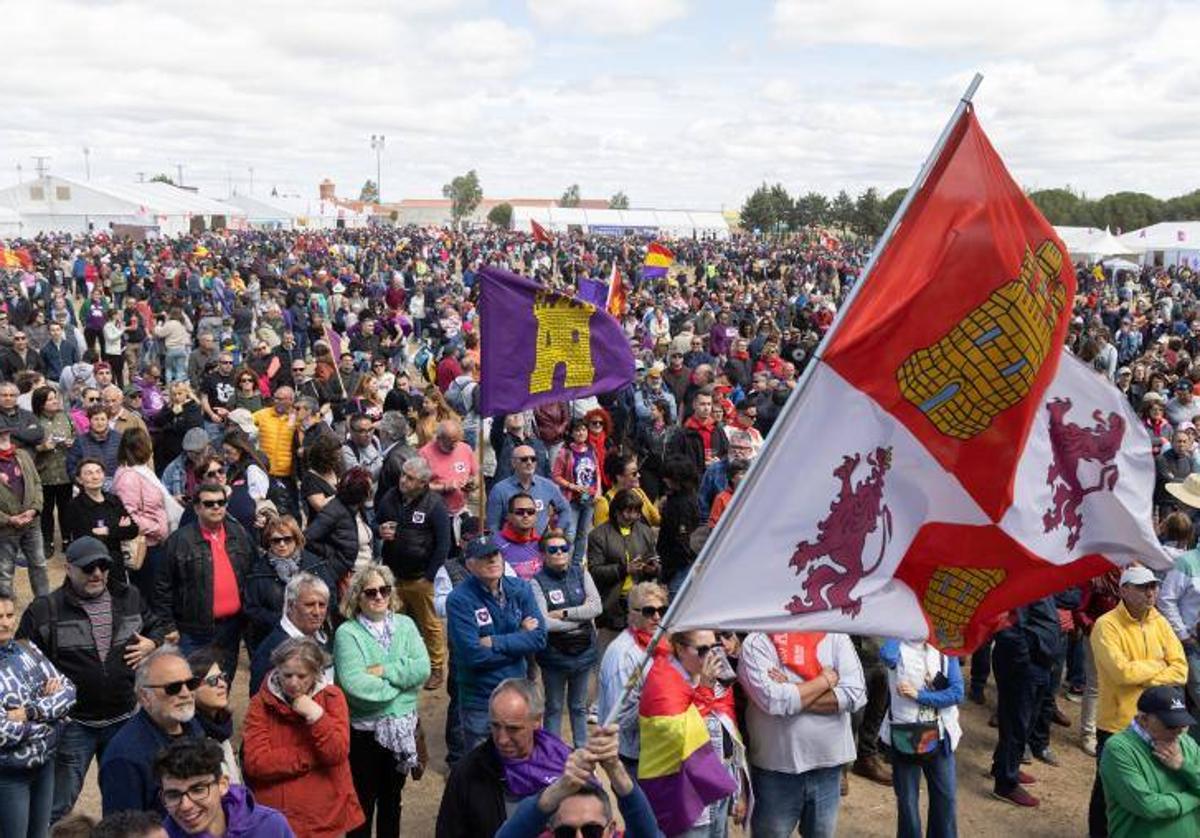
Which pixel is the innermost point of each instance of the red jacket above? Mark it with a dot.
(300, 769)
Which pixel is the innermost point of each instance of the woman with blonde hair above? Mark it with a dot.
(181, 414)
(434, 409)
(381, 663)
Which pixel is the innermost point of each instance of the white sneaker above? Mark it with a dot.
(1088, 745)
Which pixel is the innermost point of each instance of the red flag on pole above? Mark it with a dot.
(616, 304)
(539, 232)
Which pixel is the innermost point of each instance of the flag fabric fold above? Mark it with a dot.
(616, 303)
(957, 461)
(539, 232)
(678, 769)
(658, 259)
(543, 346)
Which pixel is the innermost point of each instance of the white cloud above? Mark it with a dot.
(607, 17)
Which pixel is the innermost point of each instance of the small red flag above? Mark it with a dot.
(539, 233)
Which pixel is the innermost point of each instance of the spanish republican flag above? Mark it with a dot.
(658, 259)
(678, 768)
(616, 304)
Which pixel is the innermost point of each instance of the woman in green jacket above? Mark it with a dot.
(381, 663)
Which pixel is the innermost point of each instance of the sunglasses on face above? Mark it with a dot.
(724, 635)
(382, 592)
(214, 472)
(218, 678)
(524, 511)
(595, 424)
(176, 687)
(649, 611)
(703, 650)
(557, 549)
(282, 539)
(212, 504)
(525, 459)
(97, 565)
(587, 830)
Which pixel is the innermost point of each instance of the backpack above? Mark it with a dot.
(460, 395)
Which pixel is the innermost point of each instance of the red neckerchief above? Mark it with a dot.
(514, 537)
(643, 637)
(798, 652)
(8, 453)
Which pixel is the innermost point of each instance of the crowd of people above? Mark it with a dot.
(271, 445)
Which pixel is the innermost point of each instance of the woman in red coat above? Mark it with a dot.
(297, 744)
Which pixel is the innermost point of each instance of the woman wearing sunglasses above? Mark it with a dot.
(247, 395)
(381, 663)
(212, 707)
(297, 744)
(568, 599)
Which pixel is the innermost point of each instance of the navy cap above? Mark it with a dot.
(481, 547)
(1167, 705)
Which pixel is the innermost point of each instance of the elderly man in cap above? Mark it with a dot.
(1182, 407)
(177, 476)
(1151, 770)
(494, 626)
(1134, 648)
(20, 506)
(92, 629)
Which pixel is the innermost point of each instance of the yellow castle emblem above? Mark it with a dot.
(951, 597)
(563, 338)
(989, 361)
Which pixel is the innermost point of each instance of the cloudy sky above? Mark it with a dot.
(680, 103)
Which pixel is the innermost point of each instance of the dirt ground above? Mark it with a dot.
(869, 810)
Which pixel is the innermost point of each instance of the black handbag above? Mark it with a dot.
(917, 741)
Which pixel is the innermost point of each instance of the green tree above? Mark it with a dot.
(890, 204)
(768, 210)
(619, 201)
(369, 192)
(1063, 207)
(869, 219)
(841, 211)
(810, 210)
(1128, 211)
(501, 215)
(570, 198)
(161, 178)
(1182, 207)
(464, 193)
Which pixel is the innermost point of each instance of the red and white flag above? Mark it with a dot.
(947, 460)
(539, 232)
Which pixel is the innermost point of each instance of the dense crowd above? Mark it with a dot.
(274, 441)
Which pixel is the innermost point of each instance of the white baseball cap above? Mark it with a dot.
(1137, 575)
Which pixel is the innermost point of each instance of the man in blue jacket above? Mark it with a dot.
(165, 690)
(494, 625)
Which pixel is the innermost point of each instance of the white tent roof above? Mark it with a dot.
(1092, 241)
(1166, 235)
(259, 210)
(9, 215)
(680, 222)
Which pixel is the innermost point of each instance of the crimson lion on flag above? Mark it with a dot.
(1071, 446)
(855, 513)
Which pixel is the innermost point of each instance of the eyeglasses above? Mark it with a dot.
(702, 650)
(595, 424)
(649, 611)
(197, 793)
(214, 472)
(587, 830)
(219, 678)
(526, 459)
(524, 511)
(724, 635)
(212, 504)
(282, 539)
(555, 549)
(175, 687)
(297, 369)
(382, 592)
(102, 565)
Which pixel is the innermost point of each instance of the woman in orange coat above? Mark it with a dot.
(297, 744)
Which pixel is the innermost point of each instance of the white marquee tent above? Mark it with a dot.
(1168, 244)
(57, 204)
(648, 222)
(10, 222)
(1089, 244)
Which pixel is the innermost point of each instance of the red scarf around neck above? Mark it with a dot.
(514, 537)
(798, 652)
(643, 637)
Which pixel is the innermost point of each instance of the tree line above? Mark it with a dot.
(772, 211)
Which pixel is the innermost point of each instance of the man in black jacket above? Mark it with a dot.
(94, 632)
(415, 528)
(58, 353)
(199, 589)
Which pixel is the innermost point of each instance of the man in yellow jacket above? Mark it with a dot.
(277, 438)
(1134, 648)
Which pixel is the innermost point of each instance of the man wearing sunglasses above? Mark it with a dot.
(199, 590)
(543, 491)
(166, 696)
(92, 630)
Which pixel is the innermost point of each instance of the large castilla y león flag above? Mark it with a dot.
(542, 346)
(947, 460)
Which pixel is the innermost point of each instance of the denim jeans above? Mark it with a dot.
(940, 777)
(26, 541)
(476, 726)
(177, 365)
(1020, 690)
(783, 802)
(455, 746)
(574, 682)
(76, 747)
(718, 821)
(225, 637)
(581, 520)
(25, 796)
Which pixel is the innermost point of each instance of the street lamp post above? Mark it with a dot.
(377, 145)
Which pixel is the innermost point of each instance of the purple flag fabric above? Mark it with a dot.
(540, 346)
(593, 291)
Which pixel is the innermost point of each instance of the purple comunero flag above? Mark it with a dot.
(593, 291)
(540, 346)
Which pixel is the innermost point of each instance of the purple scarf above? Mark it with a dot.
(544, 765)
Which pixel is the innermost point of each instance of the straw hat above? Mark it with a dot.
(1187, 491)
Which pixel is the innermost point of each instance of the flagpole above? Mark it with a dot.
(757, 467)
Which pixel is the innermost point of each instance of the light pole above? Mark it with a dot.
(377, 146)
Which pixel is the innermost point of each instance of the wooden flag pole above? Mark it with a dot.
(769, 452)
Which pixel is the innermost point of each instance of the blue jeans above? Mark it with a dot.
(939, 776)
(718, 821)
(76, 748)
(476, 727)
(581, 520)
(783, 802)
(574, 682)
(225, 637)
(176, 365)
(25, 796)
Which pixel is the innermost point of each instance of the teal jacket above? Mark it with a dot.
(405, 669)
(1145, 798)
